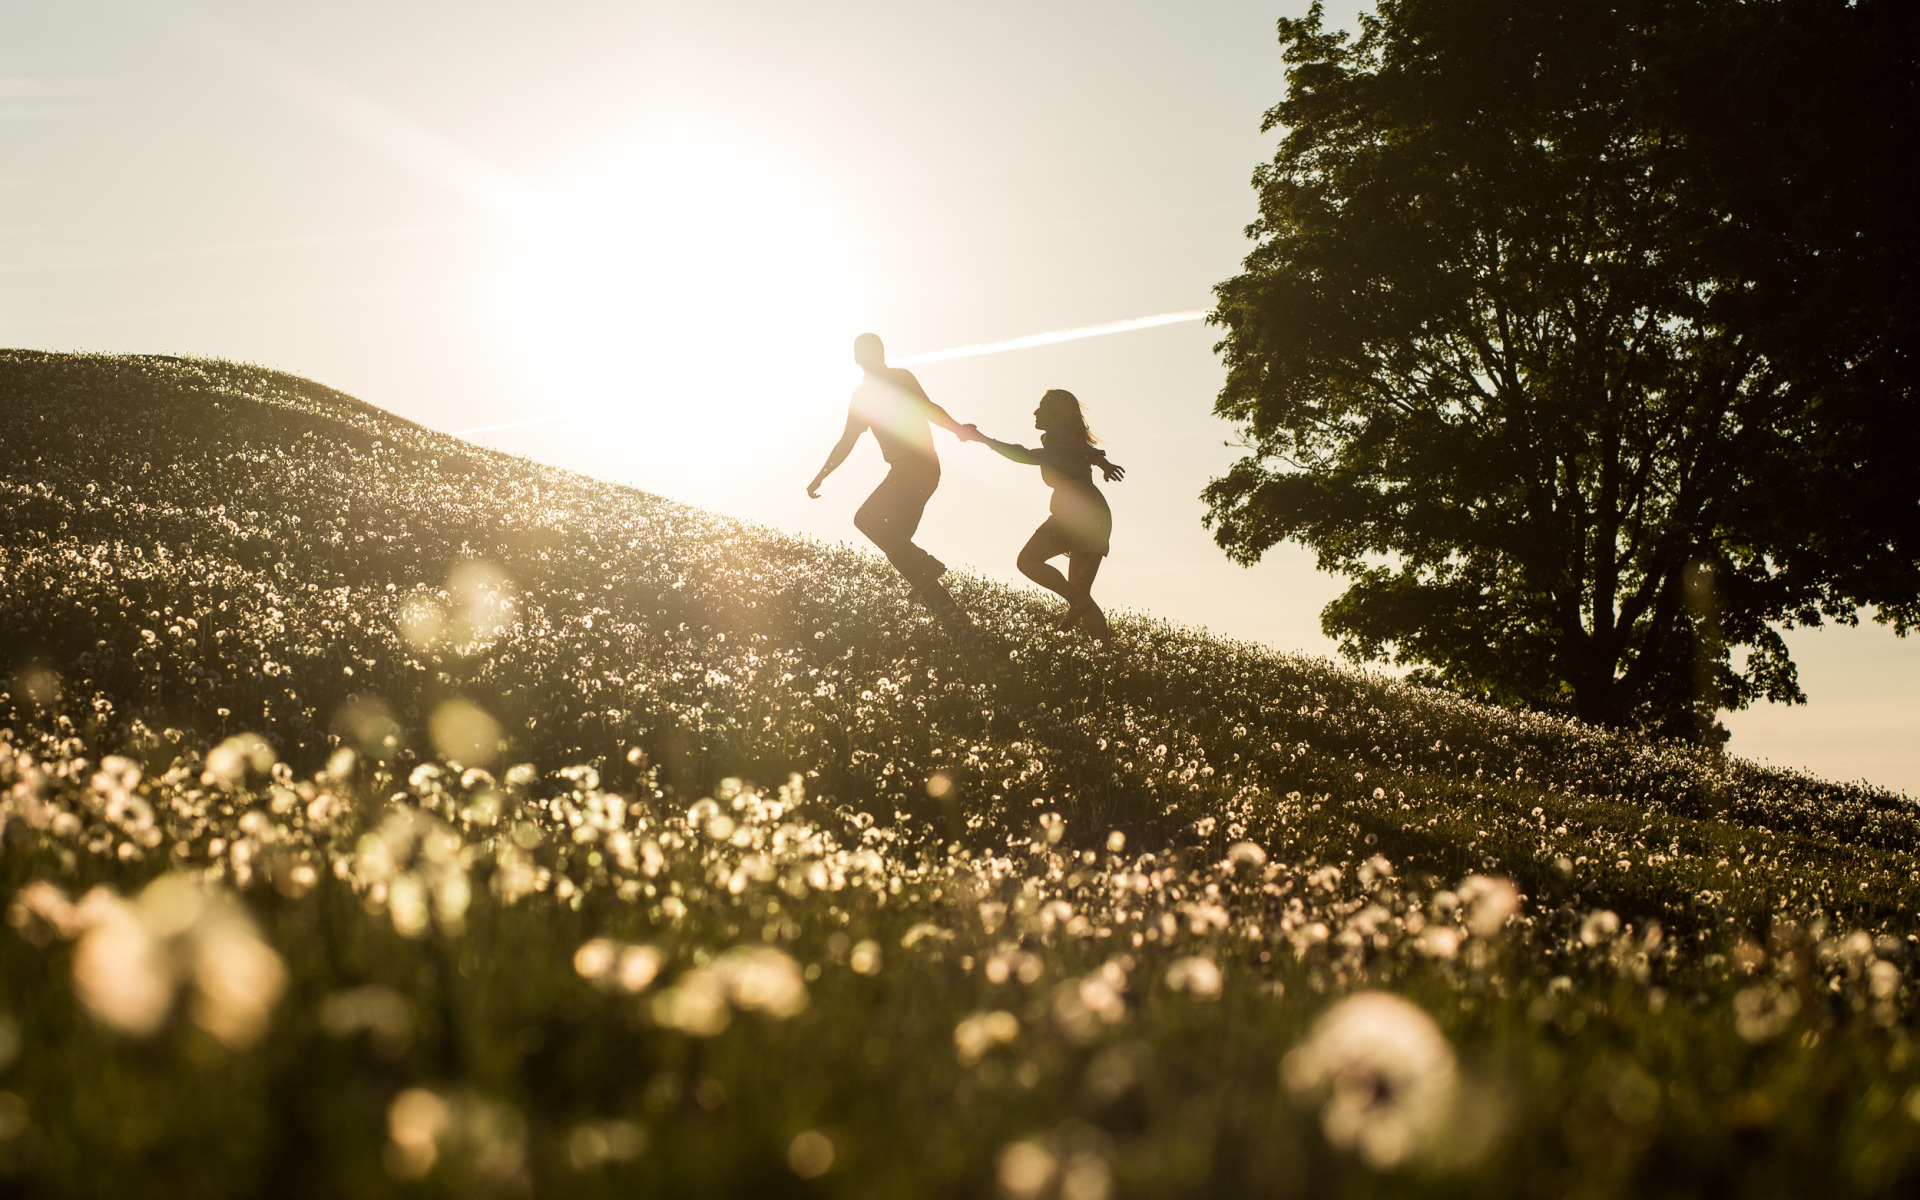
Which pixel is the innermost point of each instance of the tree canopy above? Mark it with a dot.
(1579, 336)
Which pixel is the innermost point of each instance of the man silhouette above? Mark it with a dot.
(891, 402)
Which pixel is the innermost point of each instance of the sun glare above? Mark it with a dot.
(689, 305)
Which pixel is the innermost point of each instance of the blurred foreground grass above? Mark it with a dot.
(383, 815)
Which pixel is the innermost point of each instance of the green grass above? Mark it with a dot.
(695, 738)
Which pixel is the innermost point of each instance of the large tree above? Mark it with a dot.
(1578, 336)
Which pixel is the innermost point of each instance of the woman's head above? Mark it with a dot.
(1059, 412)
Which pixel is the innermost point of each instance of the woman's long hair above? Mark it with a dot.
(1060, 409)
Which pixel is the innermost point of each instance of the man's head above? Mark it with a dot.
(868, 352)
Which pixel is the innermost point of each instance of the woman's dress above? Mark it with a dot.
(1080, 518)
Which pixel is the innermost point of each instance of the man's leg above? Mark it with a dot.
(892, 514)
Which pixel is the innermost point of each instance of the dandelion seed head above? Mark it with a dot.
(1490, 903)
(1024, 1169)
(1764, 1011)
(228, 763)
(171, 905)
(42, 912)
(369, 727)
(237, 980)
(596, 1143)
(120, 970)
(1385, 1071)
(924, 931)
(374, 1009)
(407, 904)
(1086, 1176)
(810, 1154)
(37, 684)
(979, 1033)
(483, 606)
(1247, 854)
(422, 621)
(696, 1004)
(1196, 975)
(595, 958)
(864, 958)
(762, 979)
(1598, 927)
(1439, 941)
(415, 1122)
(638, 966)
(464, 732)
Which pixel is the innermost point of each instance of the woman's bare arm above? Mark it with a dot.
(1013, 451)
(1112, 472)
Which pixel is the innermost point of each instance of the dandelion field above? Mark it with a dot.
(381, 815)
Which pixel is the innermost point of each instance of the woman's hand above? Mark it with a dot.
(1113, 471)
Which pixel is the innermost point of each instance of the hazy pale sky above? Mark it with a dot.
(660, 224)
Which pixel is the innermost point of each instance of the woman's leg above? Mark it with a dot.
(1043, 545)
(1081, 569)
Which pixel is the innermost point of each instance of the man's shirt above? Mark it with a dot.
(893, 405)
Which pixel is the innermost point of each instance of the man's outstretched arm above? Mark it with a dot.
(836, 456)
(940, 416)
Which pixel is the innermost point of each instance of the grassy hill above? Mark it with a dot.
(386, 815)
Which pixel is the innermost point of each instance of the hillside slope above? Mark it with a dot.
(191, 551)
(211, 549)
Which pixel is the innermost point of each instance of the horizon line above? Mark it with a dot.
(1052, 337)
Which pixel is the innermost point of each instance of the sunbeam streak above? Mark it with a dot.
(1048, 339)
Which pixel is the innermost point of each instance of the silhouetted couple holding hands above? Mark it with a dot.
(891, 403)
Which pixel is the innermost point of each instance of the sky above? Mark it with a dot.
(635, 239)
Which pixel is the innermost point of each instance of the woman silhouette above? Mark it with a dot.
(1080, 522)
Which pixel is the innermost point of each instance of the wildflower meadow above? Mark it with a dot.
(382, 815)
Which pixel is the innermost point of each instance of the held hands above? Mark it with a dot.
(970, 433)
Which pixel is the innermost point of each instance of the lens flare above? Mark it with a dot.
(689, 308)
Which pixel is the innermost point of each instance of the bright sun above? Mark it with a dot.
(690, 307)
